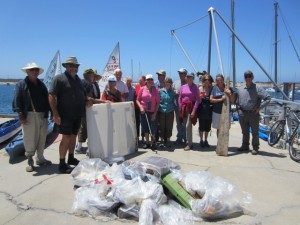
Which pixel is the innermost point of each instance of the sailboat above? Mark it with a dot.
(53, 70)
(112, 64)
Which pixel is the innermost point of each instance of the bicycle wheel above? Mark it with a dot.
(294, 150)
(276, 132)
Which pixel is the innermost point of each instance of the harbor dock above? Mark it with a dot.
(271, 178)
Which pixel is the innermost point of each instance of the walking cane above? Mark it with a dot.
(149, 129)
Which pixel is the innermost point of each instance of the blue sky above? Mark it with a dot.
(33, 30)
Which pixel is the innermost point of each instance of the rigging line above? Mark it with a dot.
(187, 56)
(191, 23)
(294, 47)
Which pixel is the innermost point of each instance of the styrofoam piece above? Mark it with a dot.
(111, 130)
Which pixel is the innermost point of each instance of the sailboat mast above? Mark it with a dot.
(233, 45)
(276, 40)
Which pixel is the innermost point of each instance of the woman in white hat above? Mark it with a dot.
(148, 102)
(31, 104)
(111, 93)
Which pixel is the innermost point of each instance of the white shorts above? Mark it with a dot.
(216, 118)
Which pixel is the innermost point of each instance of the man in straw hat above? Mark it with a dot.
(68, 99)
(31, 104)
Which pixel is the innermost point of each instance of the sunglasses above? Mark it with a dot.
(248, 76)
(73, 66)
(34, 69)
(149, 80)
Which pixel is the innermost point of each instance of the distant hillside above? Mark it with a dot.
(9, 80)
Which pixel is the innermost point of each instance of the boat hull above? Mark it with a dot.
(16, 148)
(9, 128)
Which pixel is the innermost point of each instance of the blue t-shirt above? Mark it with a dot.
(217, 94)
(166, 103)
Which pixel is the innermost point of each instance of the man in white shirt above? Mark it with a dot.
(121, 86)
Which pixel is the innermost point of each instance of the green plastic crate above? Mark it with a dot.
(177, 190)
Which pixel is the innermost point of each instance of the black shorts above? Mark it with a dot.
(69, 126)
(205, 125)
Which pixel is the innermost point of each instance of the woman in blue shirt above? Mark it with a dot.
(166, 112)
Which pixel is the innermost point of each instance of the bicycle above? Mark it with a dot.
(285, 126)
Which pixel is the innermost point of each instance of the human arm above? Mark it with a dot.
(157, 101)
(196, 93)
(138, 101)
(53, 105)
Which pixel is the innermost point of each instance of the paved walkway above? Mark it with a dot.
(46, 197)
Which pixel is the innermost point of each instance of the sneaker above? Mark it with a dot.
(43, 162)
(254, 152)
(188, 147)
(30, 167)
(243, 148)
(202, 144)
(145, 146)
(73, 161)
(65, 168)
(81, 150)
(206, 144)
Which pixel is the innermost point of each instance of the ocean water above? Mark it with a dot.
(6, 97)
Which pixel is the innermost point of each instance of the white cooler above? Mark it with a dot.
(111, 130)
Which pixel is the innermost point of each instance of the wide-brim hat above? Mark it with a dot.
(71, 60)
(31, 66)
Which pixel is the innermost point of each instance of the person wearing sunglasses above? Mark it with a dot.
(148, 102)
(250, 98)
(31, 103)
(111, 93)
(68, 100)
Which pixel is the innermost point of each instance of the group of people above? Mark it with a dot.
(157, 104)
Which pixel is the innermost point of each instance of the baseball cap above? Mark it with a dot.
(161, 72)
(149, 76)
(112, 78)
(182, 70)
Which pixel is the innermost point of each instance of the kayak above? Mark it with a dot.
(263, 132)
(16, 147)
(9, 128)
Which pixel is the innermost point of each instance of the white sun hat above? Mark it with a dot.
(32, 66)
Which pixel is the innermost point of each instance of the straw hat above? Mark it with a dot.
(31, 66)
(96, 74)
(71, 60)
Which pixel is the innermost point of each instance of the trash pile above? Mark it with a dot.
(153, 191)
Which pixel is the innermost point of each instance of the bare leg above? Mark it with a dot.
(205, 135)
(72, 143)
(64, 146)
(201, 135)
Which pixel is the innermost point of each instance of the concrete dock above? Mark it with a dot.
(45, 196)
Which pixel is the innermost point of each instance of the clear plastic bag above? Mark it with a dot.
(214, 197)
(88, 201)
(134, 191)
(174, 214)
